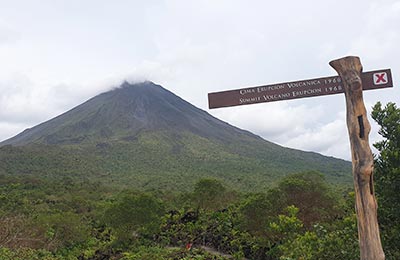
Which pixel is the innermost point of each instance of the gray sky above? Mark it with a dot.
(56, 54)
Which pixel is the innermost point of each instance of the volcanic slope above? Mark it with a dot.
(144, 136)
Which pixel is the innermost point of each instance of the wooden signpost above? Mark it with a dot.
(296, 89)
(351, 81)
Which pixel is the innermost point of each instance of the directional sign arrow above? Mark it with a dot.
(296, 89)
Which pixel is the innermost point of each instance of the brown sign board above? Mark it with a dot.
(296, 89)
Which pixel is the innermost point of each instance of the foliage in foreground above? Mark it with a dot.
(302, 217)
(45, 220)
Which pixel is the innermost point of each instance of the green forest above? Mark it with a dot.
(302, 216)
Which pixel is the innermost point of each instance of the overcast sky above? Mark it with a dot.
(56, 54)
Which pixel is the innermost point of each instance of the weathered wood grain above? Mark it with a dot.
(349, 69)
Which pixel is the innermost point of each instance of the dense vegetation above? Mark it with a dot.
(387, 176)
(301, 216)
(157, 160)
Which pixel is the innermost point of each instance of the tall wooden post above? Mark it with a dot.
(349, 69)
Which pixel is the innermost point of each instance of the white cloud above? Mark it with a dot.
(7, 35)
(329, 139)
(20, 101)
(297, 127)
(379, 36)
(275, 120)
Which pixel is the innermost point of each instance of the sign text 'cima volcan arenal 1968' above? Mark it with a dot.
(296, 89)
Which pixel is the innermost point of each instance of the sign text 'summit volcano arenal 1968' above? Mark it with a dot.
(296, 89)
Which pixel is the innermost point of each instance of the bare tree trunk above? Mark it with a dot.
(349, 69)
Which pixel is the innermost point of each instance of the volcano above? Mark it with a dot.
(125, 112)
(144, 136)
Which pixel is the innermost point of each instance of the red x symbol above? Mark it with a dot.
(380, 78)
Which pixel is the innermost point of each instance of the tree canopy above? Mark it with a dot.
(387, 176)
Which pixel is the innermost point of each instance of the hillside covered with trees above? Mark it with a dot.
(302, 216)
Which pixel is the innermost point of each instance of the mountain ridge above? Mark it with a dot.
(175, 112)
(145, 136)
